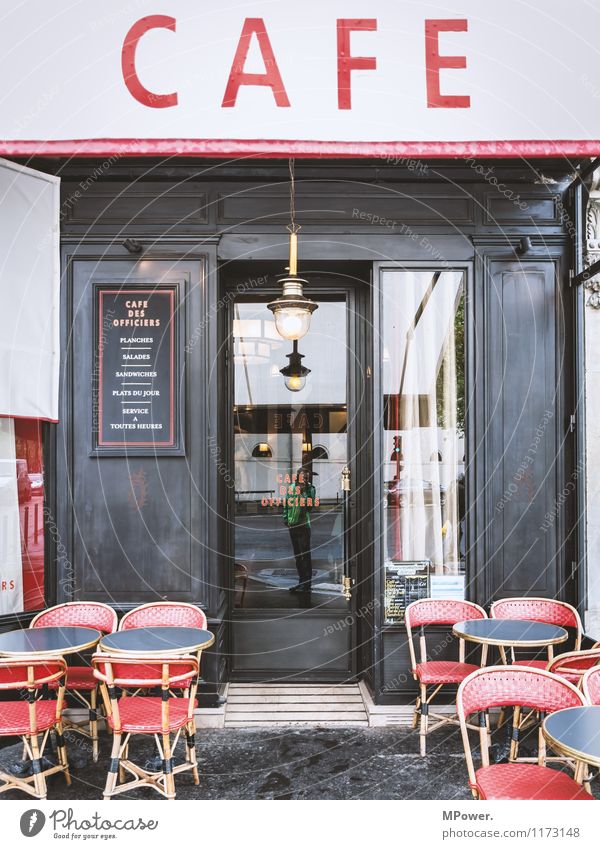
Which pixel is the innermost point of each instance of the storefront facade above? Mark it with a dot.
(439, 437)
(443, 377)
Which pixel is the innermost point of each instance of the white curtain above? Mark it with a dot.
(420, 381)
(29, 292)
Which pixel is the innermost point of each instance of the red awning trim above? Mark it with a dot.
(273, 149)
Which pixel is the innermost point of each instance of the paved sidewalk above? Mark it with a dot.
(292, 763)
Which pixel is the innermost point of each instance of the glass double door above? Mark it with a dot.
(291, 454)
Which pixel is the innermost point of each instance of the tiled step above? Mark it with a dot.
(268, 705)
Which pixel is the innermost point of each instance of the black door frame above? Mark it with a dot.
(357, 293)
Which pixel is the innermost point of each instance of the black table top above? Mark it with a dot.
(57, 640)
(510, 632)
(576, 732)
(157, 640)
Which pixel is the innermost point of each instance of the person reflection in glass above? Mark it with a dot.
(296, 515)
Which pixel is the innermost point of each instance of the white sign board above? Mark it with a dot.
(383, 77)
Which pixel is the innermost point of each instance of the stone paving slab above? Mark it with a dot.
(290, 763)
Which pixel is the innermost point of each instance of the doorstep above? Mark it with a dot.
(277, 705)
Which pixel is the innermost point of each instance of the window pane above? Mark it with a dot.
(424, 411)
(290, 450)
(21, 516)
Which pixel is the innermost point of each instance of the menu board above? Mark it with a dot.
(405, 581)
(135, 399)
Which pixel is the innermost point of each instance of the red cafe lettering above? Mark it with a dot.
(290, 493)
(256, 29)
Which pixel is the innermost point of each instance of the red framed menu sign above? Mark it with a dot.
(135, 397)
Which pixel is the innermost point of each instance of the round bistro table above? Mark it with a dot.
(575, 732)
(56, 640)
(163, 639)
(515, 633)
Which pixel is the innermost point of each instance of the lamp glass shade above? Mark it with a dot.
(294, 382)
(292, 322)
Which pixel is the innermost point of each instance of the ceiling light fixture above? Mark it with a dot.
(292, 310)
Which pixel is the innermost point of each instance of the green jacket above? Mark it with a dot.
(294, 513)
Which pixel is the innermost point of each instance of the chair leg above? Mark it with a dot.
(168, 766)
(415, 718)
(39, 779)
(94, 723)
(62, 752)
(125, 755)
(514, 743)
(113, 770)
(192, 751)
(424, 721)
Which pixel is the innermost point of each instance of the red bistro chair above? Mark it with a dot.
(161, 716)
(178, 614)
(538, 610)
(572, 665)
(29, 716)
(81, 683)
(436, 673)
(519, 687)
(591, 685)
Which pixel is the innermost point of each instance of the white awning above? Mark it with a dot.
(29, 292)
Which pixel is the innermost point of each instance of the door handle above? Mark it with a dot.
(347, 587)
(347, 580)
(346, 479)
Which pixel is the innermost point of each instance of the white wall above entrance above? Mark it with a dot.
(387, 77)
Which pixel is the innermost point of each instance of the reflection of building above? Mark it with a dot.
(291, 435)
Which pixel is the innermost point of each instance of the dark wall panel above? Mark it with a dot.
(137, 522)
(523, 429)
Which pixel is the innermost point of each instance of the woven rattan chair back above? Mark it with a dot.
(574, 664)
(437, 611)
(546, 610)
(80, 614)
(164, 613)
(590, 685)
